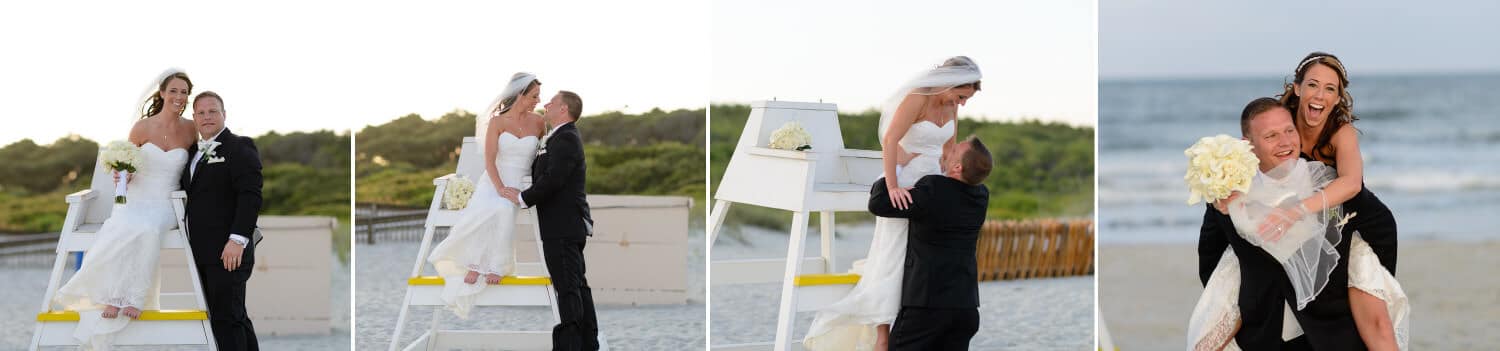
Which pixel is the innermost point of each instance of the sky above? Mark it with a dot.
(1187, 38)
(309, 65)
(1038, 57)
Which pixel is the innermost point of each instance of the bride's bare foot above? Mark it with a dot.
(492, 278)
(471, 277)
(110, 312)
(131, 312)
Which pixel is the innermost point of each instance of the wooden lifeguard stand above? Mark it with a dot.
(87, 210)
(530, 286)
(826, 179)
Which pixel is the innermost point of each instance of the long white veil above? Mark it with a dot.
(955, 71)
(518, 84)
(1306, 251)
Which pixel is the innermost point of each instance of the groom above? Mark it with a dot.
(557, 179)
(940, 289)
(223, 181)
(1266, 293)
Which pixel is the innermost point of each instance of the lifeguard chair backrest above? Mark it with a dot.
(98, 208)
(821, 120)
(470, 160)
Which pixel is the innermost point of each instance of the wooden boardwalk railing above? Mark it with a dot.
(1035, 249)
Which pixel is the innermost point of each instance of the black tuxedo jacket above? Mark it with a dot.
(1327, 323)
(223, 198)
(557, 179)
(945, 218)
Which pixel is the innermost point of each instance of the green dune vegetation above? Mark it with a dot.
(654, 153)
(306, 173)
(1042, 169)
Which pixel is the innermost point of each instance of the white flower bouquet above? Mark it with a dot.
(458, 192)
(791, 136)
(1218, 166)
(123, 158)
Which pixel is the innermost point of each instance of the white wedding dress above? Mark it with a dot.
(481, 239)
(849, 324)
(120, 269)
(1217, 310)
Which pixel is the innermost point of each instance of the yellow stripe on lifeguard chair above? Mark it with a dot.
(814, 291)
(826, 279)
(146, 315)
(506, 280)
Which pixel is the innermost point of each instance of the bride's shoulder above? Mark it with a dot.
(139, 131)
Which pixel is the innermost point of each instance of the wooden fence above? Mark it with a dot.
(1035, 249)
(385, 222)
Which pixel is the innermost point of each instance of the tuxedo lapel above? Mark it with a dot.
(202, 162)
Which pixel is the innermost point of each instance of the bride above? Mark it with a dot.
(916, 128)
(118, 274)
(479, 244)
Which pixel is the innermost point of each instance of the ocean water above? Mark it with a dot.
(1430, 143)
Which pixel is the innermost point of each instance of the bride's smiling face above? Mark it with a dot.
(175, 95)
(527, 102)
(1318, 93)
(960, 95)
(1273, 138)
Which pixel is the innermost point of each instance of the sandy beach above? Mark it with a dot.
(382, 272)
(1034, 314)
(23, 295)
(1147, 292)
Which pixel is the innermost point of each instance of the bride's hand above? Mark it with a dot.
(1278, 221)
(128, 177)
(900, 197)
(1223, 204)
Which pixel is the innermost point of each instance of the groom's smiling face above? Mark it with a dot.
(1273, 137)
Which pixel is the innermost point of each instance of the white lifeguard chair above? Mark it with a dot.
(87, 210)
(826, 179)
(531, 285)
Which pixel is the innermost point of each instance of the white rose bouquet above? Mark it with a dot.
(791, 136)
(1218, 166)
(458, 192)
(123, 158)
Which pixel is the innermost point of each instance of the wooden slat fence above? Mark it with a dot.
(1035, 249)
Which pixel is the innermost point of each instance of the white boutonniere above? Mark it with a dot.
(542, 145)
(210, 151)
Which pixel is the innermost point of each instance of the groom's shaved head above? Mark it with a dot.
(1255, 108)
(575, 104)
(976, 161)
(209, 94)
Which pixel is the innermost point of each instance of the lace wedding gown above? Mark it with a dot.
(1217, 310)
(481, 239)
(849, 324)
(120, 269)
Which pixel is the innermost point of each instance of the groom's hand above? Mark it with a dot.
(1223, 204)
(233, 252)
(512, 194)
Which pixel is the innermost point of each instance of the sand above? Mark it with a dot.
(1035, 314)
(1147, 292)
(382, 272)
